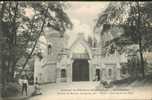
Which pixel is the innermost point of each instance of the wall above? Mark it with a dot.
(57, 44)
(51, 73)
(48, 66)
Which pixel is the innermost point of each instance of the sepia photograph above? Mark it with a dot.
(75, 50)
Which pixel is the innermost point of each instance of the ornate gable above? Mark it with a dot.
(80, 48)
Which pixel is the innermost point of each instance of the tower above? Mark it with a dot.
(54, 44)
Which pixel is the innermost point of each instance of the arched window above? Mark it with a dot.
(49, 49)
(63, 73)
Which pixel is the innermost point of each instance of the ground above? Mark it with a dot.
(61, 90)
(90, 91)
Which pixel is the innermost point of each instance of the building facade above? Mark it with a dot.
(79, 62)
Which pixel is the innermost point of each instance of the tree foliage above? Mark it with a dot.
(22, 31)
(136, 20)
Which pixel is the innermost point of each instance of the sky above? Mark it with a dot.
(83, 16)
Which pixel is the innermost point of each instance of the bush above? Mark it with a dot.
(12, 89)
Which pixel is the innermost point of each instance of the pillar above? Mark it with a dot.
(90, 71)
(58, 73)
(69, 71)
(93, 71)
(118, 75)
(102, 72)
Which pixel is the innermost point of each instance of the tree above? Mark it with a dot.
(136, 19)
(22, 32)
(59, 22)
(90, 41)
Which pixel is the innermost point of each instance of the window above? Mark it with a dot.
(63, 73)
(123, 70)
(49, 49)
(110, 72)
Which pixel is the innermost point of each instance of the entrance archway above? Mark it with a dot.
(80, 70)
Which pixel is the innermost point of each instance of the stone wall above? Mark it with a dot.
(45, 73)
(50, 73)
(48, 69)
(56, 61)
(57, 43)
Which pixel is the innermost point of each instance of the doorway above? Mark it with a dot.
(80, 70)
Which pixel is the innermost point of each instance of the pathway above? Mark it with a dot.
(65, 90)
(90, 91)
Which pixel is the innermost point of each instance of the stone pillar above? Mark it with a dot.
(58, 73)
(90, 71)
(69, 71)
(93, 71)
(118, 76)
(102, 72)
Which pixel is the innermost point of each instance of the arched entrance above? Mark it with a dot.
(80, 57)
(80, 70)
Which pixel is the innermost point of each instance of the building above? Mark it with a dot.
(79, 62)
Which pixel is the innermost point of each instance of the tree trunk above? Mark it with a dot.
(140, 41)
(141, 59)
(2, 50)
(39, 34)
(4, 75)
(13, 45)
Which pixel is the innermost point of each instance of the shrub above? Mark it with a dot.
(12, 89)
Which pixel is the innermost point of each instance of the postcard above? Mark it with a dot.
(75, 50)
